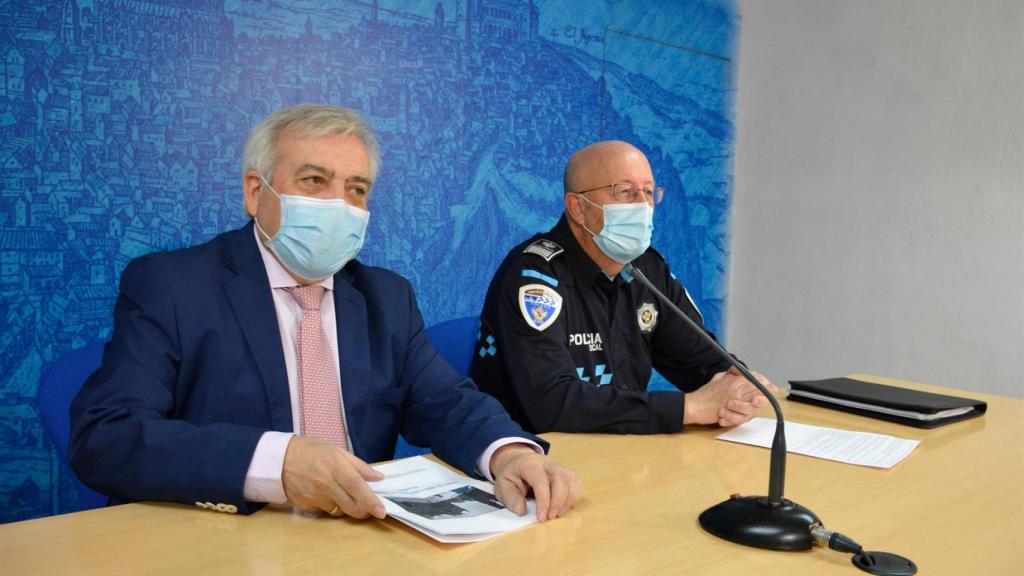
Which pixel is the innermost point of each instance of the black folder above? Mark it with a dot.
(892, 403)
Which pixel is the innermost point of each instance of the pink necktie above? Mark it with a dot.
(319, 392)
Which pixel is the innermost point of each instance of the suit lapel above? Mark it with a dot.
(248, 290)
(353, 352)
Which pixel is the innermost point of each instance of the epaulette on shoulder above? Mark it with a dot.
(544, 248)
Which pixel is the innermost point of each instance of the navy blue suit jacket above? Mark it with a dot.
(194, 374)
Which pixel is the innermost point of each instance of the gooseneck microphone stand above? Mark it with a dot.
(763, 521)
(772, 521)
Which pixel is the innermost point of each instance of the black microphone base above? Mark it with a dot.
(752, 521)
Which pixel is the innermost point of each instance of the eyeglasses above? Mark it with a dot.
(624, 192)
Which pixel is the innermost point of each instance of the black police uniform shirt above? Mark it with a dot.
(565, 348)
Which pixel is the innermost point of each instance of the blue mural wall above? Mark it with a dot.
(122, 124)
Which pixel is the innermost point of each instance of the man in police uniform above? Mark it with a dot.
(567, 339)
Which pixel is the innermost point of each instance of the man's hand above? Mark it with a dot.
(318, 475)
(517, 470)
(727, 399)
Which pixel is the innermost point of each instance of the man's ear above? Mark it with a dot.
(251, 188)
(574, 208)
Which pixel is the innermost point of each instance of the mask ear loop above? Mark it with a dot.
(584, 225)
(255, 219)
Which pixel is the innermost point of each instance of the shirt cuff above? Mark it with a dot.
(483, 464)
(263, 480)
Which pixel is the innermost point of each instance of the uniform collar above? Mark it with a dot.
(584, 270)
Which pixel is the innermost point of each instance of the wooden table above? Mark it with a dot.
(955, 506)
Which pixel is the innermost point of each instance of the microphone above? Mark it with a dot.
(771, 521)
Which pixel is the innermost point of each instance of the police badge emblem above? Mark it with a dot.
(647, 316)
(540, 305)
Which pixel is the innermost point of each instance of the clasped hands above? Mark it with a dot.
(728, 399)
(318, 476)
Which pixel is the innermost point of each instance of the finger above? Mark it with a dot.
(749, 393)
(559, 484)
(365, 500)
(728, 417)
(318, 500)
(731, 420)
(740, 407)
(575, 491)
(512, 492)
(345, 505)
(511, 495)
(499, 493)
(746, 387)
(537, 478)
(737, 418)
(365, 470)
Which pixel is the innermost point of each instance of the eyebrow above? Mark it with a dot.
(314, 168)
(330, 174)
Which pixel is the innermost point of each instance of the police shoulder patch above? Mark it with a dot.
(540, 305)
(544, 248)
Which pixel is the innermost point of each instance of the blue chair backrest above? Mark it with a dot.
(58, 385)
(455, 340)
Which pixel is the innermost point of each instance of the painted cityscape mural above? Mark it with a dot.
(122, 124)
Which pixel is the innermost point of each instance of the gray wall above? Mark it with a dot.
(878, 221)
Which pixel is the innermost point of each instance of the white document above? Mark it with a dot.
(444, 505)
(861, 448)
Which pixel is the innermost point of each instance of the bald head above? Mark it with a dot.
(600, 165)
(606, 162)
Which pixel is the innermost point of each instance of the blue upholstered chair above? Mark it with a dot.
(58, 384)
(454, 340)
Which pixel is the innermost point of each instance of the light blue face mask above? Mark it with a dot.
(627, 230)
(317, 237)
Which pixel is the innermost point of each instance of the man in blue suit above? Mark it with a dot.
(268, 366)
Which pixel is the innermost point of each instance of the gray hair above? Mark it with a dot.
(311, 120)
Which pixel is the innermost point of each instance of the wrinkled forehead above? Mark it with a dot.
(332, 151)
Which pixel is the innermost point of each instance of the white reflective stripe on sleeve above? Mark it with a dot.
(692, 303)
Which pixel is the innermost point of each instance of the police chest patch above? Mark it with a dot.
(540, 305)
(647, 316)
(546, 249)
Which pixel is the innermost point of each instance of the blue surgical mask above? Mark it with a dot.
(627, 230)
(317, 237)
